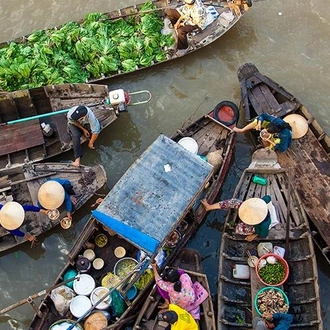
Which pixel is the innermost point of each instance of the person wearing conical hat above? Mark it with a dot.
(253, 212)
(275, 133)
(12, 217)
(82, 121)
(54, 192)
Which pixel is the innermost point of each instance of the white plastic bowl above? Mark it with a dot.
(190, 144)
(97, 294)
(84, 285)
(80, 305)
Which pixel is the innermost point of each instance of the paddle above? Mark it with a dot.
(36, 295)
(127, 277)
(48, 114)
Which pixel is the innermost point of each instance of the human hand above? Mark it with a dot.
(69, 215)
(86, 133)
(258, 127)
(153, 264)
(267, 315)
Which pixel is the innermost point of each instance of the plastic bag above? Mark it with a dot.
(117, 303)
(62, 297)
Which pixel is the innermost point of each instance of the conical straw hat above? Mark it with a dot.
(298, 124)
(12, 215)
(51, 195)
(253, 211)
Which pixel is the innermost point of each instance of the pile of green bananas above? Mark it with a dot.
(76, 53)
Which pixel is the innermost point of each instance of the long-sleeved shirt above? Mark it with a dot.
(90, 119)
(67, 199)
(285, 136)
(31, 208)
(282, 321)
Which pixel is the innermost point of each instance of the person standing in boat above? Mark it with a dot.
(54, 192)
(275, 133)
(82, 121)
(187, 18)
(276, 321)
(253, 213)
(12, 216)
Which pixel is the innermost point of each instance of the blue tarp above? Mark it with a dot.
(158, 190)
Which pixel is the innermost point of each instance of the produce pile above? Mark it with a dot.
(272, 301)
(272, 273)
(75, 53)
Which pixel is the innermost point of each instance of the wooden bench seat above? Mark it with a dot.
(20, 136)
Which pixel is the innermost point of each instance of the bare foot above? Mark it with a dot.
(76, 162)
(206, 204)
(91, 146)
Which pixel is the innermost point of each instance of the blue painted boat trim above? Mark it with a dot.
(134, 236)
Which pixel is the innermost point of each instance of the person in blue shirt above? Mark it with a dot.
(54, 192)
(275, 133)
(81, 120)
(276, 321)
(11, 219)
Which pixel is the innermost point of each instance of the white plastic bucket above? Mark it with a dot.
(97, 294)
(189, 144)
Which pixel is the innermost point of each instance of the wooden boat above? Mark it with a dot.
(23, 140)
(190, 261)
(309, 156)
(21, 184)
(78, 67)
(236, 295)
(156, 203)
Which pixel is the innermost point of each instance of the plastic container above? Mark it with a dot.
(279, 251)
(97, 294)
(80, 305)
(70, 273)
(89, 254)
(279, 259)
(85, 285)
(265, 289)
(264, 248)
(190, 144)
(64, 325)
(259, 180)
(123, 261)
(131, 293)
(98, 263)
(241, 271)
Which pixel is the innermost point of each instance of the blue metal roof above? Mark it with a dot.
(154, 194)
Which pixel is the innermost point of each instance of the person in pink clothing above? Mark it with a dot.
(179, 287)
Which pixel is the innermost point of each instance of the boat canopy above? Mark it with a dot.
(154, 194)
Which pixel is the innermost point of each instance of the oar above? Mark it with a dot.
(36, 295)
(48, 114)
(127, 277)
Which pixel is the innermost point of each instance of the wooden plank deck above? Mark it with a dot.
(20, 136)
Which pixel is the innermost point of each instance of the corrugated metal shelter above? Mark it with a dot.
(154, 194)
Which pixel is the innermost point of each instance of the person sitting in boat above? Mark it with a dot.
(187, 18)
(277, 321)
(178, 318)
(177, 288)
(275, 133)
(12, 217)
(253, 213)
(54, 192)
(81, 120)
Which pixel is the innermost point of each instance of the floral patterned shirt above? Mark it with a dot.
(232, 203)
(185, 297)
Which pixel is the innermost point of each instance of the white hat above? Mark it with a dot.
(298, 124)
(253, 211)
(51, 195)
(189, 2)
(12, 215)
